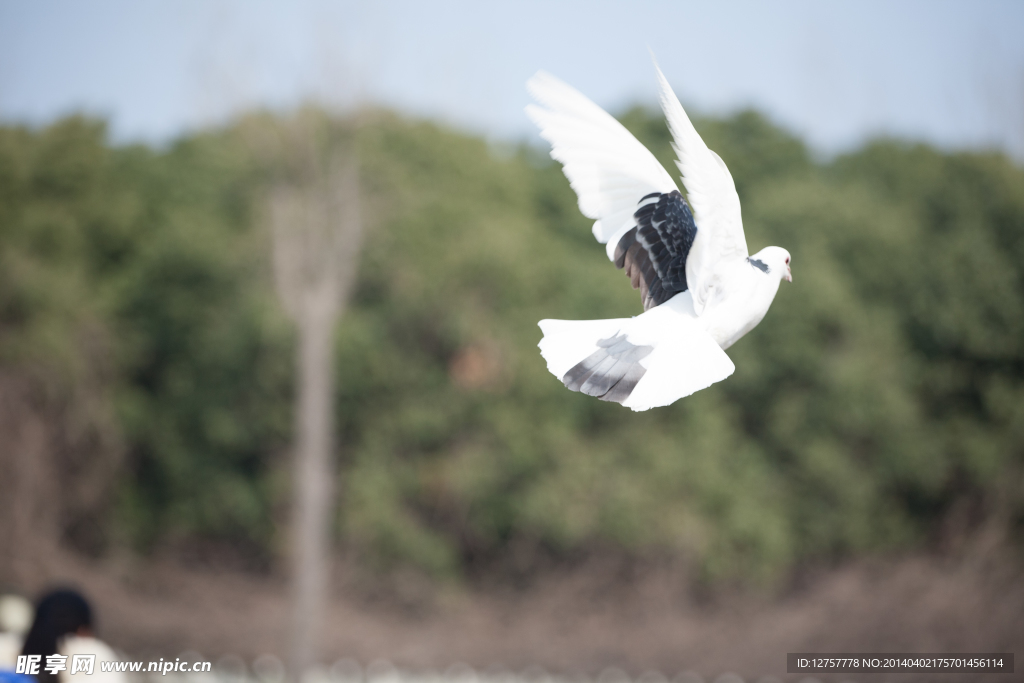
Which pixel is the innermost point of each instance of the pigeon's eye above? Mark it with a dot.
(787, 260)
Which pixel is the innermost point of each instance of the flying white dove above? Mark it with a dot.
(701, 291)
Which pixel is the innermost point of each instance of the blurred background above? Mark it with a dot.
(856, 485)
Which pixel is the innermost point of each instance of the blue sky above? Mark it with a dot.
(836, 73)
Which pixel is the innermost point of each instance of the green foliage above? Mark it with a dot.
(157, 255)
(205, 354)
(51, 187)
(881, 397)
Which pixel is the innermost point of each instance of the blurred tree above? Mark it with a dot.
(317, 231)
(203, 351)
(59, 445)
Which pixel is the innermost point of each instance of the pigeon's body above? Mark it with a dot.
(742, 300)
(700, 290)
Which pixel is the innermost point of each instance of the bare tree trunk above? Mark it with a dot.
(29, 532)
(317, 234)
(313, 486)
(58, 454)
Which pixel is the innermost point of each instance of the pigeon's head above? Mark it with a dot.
(777, 259)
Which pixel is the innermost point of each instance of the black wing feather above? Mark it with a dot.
(654, 252)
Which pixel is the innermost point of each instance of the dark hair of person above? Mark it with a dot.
(59, 613)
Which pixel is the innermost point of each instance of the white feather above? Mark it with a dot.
(567, 342)
(713, 199)
(685, 357)
(607, 167)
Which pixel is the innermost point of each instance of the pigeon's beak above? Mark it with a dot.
(789, 275)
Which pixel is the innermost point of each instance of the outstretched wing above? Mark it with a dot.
(607, 167)
(654, 252)
(712, 194)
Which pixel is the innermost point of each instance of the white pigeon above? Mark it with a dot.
(701, 291)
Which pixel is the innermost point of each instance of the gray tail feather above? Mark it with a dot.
(611, 372)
